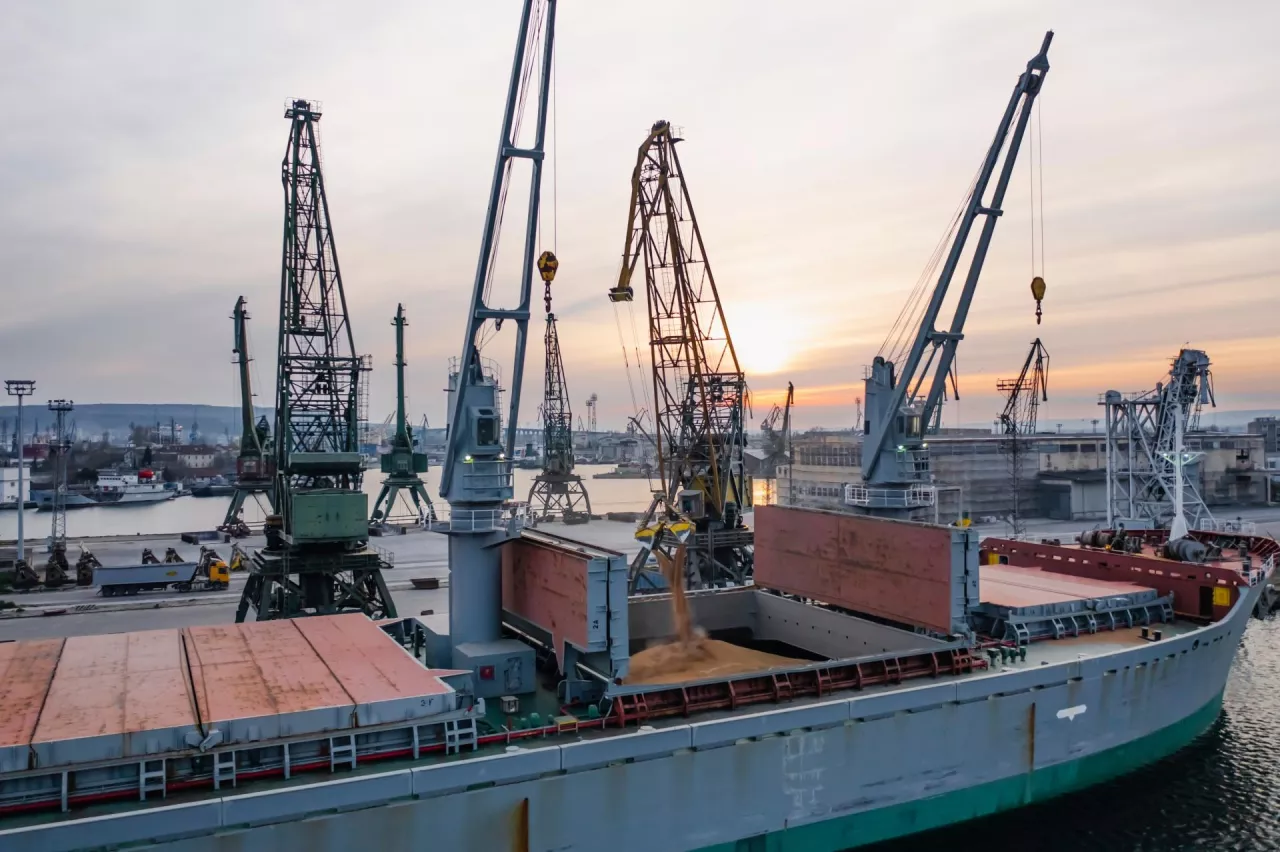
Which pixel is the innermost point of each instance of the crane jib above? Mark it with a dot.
(893, 452)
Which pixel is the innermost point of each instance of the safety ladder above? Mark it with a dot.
(342, 750)
(224, 768)
(459, 733)
(151, 779)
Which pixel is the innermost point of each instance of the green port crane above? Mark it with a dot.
(317, 559)
(402, 463)
(254, 469)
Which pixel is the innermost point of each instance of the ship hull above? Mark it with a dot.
(836, 774)
(934, 812)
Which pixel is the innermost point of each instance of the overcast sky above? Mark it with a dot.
(827, 145)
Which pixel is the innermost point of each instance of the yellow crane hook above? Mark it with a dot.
(1037, 292)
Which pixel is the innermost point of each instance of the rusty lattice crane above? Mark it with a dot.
(699, 390)
(1023, 396)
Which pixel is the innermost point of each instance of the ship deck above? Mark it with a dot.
(494, 740)
(85, 705)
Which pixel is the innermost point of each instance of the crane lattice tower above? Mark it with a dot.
(317, 559)
(1023, 396)
(699, 389)
(60, 448)
(1144, 432)
(558, 492)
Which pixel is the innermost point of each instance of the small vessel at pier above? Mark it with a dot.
(112, 489)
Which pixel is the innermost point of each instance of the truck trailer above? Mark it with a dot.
(182, 576)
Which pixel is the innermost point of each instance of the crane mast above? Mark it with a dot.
(57, 569)
(1151, 478)
(699, 389)
(1023, 396)
(402, 463)
(317, 559)
(477, 477)
(558, 492)
(253, 466)
(904, 401)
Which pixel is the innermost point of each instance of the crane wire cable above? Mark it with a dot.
(1040, 160)
(916, 304)
(522, 98)
(555, 160)
(912, 308)
(914, 299)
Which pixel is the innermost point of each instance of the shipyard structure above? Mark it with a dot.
(1065, 473)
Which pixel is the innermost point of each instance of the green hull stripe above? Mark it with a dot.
(869, 827)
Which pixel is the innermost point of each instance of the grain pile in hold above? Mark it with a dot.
(692, 655)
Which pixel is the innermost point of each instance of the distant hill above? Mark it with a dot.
(215, 421)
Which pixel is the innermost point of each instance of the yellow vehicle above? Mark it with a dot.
(239, 559)
(215, 572)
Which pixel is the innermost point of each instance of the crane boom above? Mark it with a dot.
(537, 34)
(254, 469)
(895, 459)
(250, 440)
(1024, 394)
(477, 478)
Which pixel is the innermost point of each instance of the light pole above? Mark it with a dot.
(20, 388)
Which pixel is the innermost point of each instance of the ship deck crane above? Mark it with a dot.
(477, 478)
(254, 473)
(403, 462)
(699, 389)
(904, 397)
(317, 560)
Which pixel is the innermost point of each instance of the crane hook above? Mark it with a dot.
(1037, 292)
(547, 266)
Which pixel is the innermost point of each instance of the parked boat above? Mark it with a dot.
(112, 489)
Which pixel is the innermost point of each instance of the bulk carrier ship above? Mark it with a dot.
(932, 679)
